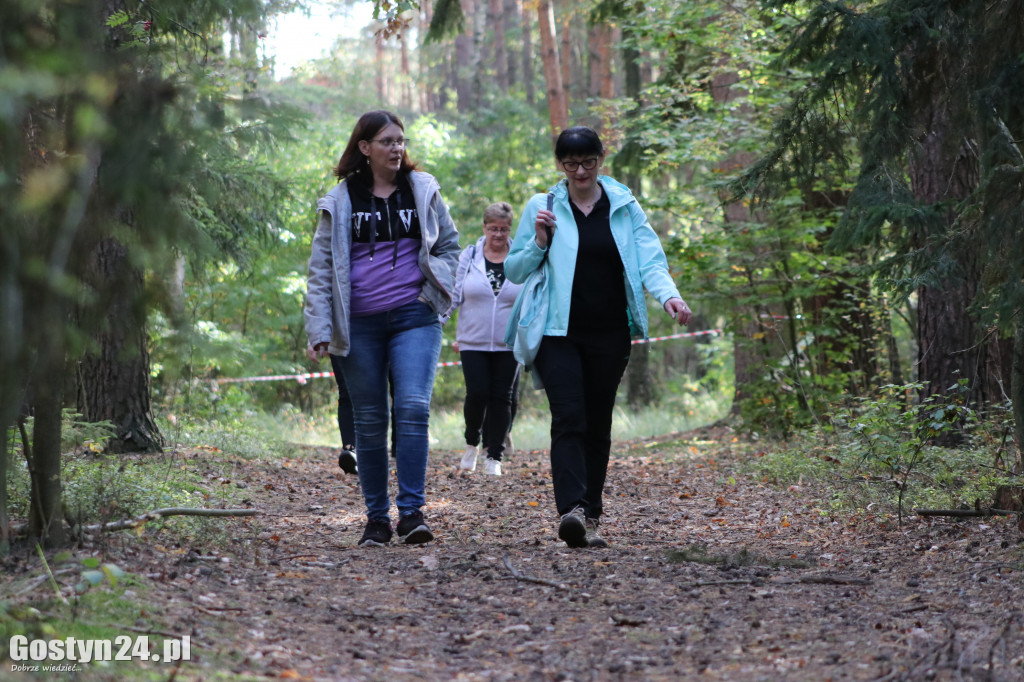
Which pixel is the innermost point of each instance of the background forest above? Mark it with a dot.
(838, 186)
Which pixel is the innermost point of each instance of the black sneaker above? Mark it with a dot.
(376, 534)
(412, 529)
(347, 460)
(573, 528)
(593, 539)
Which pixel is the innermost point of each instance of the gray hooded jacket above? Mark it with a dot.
(328, 287)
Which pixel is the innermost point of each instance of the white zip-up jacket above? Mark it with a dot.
(484, 316)
(328, 289)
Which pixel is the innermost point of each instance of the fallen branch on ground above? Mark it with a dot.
(161, 513)
(966, 513)
(817, 579)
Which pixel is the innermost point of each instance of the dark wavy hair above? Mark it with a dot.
(578, 141)
(369, 124)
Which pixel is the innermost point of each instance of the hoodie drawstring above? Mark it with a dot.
(394, 255)
(373, 225)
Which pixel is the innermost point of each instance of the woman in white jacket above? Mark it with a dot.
(489, 367)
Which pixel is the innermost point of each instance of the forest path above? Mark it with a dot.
(783, 592)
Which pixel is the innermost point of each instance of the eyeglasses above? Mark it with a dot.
(498, 230)
(402, 142)
(573, 166)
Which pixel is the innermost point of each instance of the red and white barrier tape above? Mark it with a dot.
(705, 332)
(302, 378)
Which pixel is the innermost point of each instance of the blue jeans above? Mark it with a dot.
(406, 341)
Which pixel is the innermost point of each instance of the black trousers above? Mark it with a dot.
(581, 374)
(490, 377)
(346, 421)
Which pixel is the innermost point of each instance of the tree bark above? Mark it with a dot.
(43, 456)
(602, 83)
(380, 81)
(465, 60)
(405, 82)
(427, 97)
(528, 86)
(565, 56)
(558, 104)
(1017, 394)
(500, 53)
(944, 170)
(115, 383)
(639, 382)
(512, 17)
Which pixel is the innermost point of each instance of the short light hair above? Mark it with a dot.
(499, 210)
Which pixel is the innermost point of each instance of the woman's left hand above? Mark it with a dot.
(678, 310)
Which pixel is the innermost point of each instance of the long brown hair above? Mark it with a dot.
(367, 127)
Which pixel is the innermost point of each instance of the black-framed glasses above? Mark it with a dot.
(573, 166)
(497, 230)
(390, 142)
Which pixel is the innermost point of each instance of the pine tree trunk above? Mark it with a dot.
(115, 383)
(944, 169)
(500, 53)
(558, 105)
(512, 15)
(1017, 394)
(463, 71)
(565, 57)
(480, 54)
(5, 540)
(639, 391)
(427, 97)
(602, 84)
(531, 94)
(405, 82)
(753, 336)
(45, 521)
(380, 80)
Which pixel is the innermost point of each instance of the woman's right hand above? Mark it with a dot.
(544, 222)
(316, 353)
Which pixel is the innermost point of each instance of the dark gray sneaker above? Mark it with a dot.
(573, 529)
(376, 533)
(347, 460)
(412, 529)
(593, 539)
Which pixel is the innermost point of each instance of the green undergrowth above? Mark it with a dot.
(530, 430)
(56, 601)
(882, 454)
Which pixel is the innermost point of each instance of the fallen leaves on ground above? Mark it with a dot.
(709, 573)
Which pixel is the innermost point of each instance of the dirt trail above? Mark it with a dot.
(794, 595)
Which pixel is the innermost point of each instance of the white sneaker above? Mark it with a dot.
(469, 459)
(492, 467)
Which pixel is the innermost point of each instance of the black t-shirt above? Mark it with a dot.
(598, 287)
(495, 275)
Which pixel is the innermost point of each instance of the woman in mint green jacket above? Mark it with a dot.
(602, 254)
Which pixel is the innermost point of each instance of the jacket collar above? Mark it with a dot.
(618, 194)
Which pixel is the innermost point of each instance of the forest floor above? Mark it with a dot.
(709, 573)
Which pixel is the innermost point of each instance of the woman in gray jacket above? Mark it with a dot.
(382, 270)
(488, 365)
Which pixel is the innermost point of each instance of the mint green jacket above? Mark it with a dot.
(643, 258)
